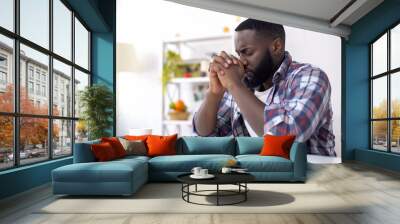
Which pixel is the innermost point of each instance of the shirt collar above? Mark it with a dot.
(283, 68)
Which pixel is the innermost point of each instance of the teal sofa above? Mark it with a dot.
(125, 176)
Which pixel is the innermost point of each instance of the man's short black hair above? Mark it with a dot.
(267, 29)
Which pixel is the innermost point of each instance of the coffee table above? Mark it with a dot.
(238, 179)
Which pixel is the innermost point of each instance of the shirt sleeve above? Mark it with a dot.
(223, 125)
(300, 111)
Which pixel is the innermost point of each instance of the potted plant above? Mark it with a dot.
(96, 102)
(170, 67)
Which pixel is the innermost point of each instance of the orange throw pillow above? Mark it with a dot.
(135, 138)
(277, 145)
(116, 145)
(161, 145)
(103, 152)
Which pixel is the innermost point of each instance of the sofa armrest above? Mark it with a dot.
(83, 152)
(298, 155)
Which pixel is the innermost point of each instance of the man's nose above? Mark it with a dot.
(244, 61)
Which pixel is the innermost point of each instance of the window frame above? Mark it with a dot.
(16, 114)
(388, 74)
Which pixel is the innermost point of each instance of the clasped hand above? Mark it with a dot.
(226, 72)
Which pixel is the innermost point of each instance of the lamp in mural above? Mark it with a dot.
(127, 60)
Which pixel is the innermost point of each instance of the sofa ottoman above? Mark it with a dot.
(118, 177)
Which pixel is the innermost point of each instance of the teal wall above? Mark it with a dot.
(356, 92)
(103, 64)
(24, 178)
(99, 16)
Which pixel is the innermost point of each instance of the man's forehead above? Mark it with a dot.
(245, 38)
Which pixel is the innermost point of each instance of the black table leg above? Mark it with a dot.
(217, 194)
(245, 193)
(188, 190)
(182, 189)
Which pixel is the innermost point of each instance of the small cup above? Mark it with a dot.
(226, 170)
(196, 170)
(203, 172)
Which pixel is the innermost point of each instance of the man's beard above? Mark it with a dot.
(263, 71)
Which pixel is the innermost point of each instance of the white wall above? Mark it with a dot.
(141, 28)
(323, 51)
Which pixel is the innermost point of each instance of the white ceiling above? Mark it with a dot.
(320, 9)
(326, 16)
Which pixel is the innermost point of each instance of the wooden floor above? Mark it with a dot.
(377, 188)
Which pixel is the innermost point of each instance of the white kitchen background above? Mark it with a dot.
(142, 26)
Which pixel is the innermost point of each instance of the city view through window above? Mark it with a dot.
(385, 95)
(48, 74)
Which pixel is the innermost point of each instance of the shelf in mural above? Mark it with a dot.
(193, 80)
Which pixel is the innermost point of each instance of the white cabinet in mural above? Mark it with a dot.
(185, 79)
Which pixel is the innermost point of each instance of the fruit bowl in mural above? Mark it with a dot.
(178, 111)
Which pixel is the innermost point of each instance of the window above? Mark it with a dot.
(6, 73)
(62, 31)
(7, 14)
(37, 75)
(3, 61)
(30, 72)
(37, 89)
(61, 74)
(6, 142)
(81, 81)
(385, 97)
(81, 45)
(47, 74)
(62, 137)
(30, 87)
(34, 21)
(33, 148)
(44, 91)
(3, 72)
(3, 78)
(395, 47)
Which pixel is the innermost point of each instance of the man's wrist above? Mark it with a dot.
(214, 96)
(236, 87)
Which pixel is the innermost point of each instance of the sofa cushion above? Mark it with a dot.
(185, 163)
(111, 171)
(132, 158)
(83, 152)
(257, 163)
(249, 145)
(196, 145)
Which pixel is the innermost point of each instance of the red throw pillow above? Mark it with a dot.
(103, 151)
(116, 145)
(277, 145)
(161, 145)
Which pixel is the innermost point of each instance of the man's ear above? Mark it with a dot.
(277, 46)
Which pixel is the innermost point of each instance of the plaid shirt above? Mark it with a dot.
(298, 104)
